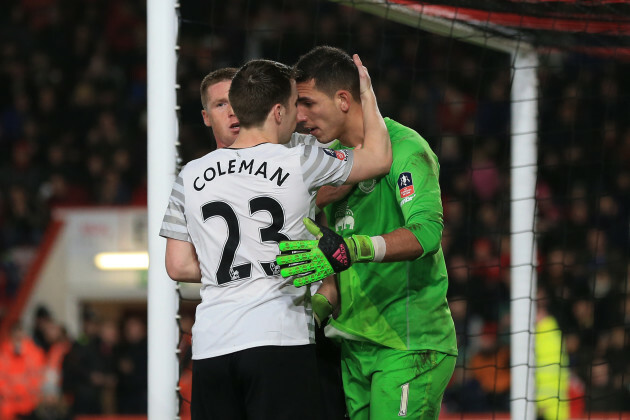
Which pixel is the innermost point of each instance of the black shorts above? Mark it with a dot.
(329, 368)
(261, 383)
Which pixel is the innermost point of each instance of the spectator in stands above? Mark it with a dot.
(552, 373)
(22, 365)
(583, 335)
(464, 393)
(468, 326)
(559, 283)
(57, 191)
(490, 366)
(52, 405)
(131, 392)
(82, 369)
(58, 345)
(24, 222)
(602, 395)
(112, 189)
(43, 319)
(108, 349)
(618, 358)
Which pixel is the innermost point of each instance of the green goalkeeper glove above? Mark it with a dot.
(317, 259)
(322, 308)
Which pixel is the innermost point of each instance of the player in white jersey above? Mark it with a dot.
(218, 114)
(252, 338)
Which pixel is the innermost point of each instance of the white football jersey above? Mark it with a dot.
(235, 205)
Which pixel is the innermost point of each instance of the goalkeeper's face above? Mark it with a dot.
(219, 114)
(319, 114)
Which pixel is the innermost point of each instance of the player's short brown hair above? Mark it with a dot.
(331, 68)
(256, 88)
(212, 78)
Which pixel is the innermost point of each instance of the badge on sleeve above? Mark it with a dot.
(405, 184)
(339, 154)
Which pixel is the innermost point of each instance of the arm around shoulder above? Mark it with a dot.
(181, 261)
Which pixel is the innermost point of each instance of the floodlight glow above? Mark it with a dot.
(122, 260)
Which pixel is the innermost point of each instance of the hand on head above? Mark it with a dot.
(365, 83)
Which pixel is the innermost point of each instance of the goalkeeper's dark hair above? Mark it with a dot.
(331, 68)
(256, 88)
(212, 78)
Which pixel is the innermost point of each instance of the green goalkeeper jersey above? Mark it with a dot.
(401, 305)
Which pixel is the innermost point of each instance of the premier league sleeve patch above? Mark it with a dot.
(405, 184)
(339, 154)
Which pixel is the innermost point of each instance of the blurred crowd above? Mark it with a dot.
(45, 374)
(72, 116)
(73, 132)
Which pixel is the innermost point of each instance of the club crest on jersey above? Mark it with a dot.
(405, 184)
(344, 219)
(367, 186)
(275, 268)
(339, 154)
(270, 268)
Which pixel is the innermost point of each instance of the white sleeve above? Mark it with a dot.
(321, 166)
(174, 222)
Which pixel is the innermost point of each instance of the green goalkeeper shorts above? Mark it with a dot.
(382, 383)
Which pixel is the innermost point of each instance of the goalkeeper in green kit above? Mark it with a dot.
(398, 345)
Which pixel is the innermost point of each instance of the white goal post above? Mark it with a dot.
(163, 303)
(524, 151)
